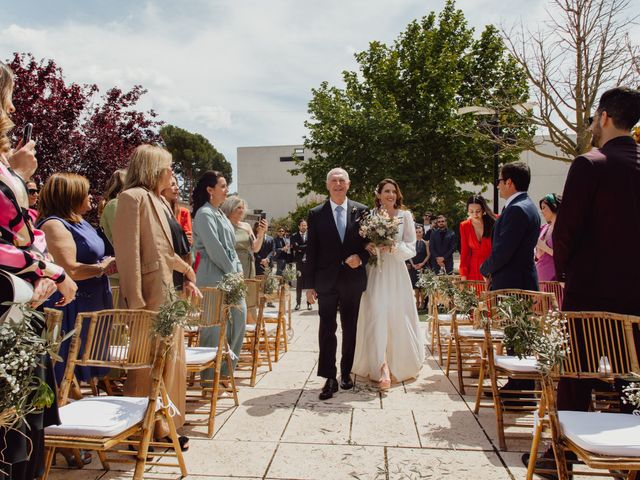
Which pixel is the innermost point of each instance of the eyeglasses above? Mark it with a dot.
(501, 180)
(33, 191)
(590, 120)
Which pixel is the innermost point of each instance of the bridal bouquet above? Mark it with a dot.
(381, 230)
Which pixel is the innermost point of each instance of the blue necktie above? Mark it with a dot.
(340, 222)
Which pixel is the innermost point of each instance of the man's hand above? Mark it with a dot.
(353, 261)
(440, 261)
(312, 296)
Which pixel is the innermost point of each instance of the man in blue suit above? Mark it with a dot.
(515, 234)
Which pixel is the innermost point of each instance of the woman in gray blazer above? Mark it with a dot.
(214, 239)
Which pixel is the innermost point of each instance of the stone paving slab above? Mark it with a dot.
(281, 430)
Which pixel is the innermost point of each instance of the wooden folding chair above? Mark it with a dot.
(601, 347)
(275, 323)
(212, 313)
(441, 322)
(467, 337)
(501, 367)
(116, 339)
(256, 342)
(556, 288)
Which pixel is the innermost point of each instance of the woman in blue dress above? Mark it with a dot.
(214, 239)
(76, 246)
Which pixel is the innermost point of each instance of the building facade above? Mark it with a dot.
(266, 184)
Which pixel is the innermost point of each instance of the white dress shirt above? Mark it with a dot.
(511, 199)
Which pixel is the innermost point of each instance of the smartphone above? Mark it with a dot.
(263, 215)
(26, 133)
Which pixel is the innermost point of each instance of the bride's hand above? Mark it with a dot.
(371, 248)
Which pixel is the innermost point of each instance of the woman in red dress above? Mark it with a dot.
(475, 237)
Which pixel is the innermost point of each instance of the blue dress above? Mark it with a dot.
(93, 294)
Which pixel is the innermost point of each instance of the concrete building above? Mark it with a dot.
(265, 183)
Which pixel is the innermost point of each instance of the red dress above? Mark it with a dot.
(472, 252)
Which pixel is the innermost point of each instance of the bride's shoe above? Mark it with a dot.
(385, 381)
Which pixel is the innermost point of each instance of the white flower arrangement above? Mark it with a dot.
(632, 396)
(290, 273)
(234, 288)
(380, 229)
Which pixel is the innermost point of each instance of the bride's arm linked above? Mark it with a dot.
(406, 248)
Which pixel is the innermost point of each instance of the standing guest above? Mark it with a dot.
(335, 275)
(75, 246)
(475, 237)
(601, 269)
(146, 260)
(281, 247)
(181, 214)
(247, 243)
(214, 239)
(417, 263)
(549, 206)
(265, 254)
(33, 191)
(426, 222)
(179, 236)
(442, 244)
(107, 213)
(515, 233)
(299, 252)
(23, 252)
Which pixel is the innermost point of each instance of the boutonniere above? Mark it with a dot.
(354, 210)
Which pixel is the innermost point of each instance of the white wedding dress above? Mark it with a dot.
(388, 325)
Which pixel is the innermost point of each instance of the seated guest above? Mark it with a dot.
(247, 243)
(442, 244)
(215, 240)
(475, 238)
(544, 249)
(75, 246)
(146, 261)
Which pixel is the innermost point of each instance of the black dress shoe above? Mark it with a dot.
(297, 307)
(346, 383)
(330, 387)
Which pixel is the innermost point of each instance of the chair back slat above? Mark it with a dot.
(209, 308)
(115, 295)
(601, 344)
(117, 338)
(556, 288)
(542, 302)
(253, 292)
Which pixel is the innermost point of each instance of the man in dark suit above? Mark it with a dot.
(442, 244)
(265, 254)
(335, 276)
(299, 252)
(600, 263)
(515, 234)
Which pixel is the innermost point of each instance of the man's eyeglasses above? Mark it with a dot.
(500, 180)
(33, 191)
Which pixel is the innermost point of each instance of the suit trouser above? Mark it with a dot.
(299, 281)
(345, 297)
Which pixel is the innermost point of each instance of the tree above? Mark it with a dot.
(583, 51)
(397, 117)
(193, 155)
(75, 133)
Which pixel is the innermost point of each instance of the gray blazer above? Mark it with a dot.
(214, 239)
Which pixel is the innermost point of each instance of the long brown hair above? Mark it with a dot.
(399, 197)
(6, 91)
(488, 217)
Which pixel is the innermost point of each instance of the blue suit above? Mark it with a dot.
(515, 234)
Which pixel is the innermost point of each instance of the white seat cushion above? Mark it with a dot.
(118, 352)
(271, 328)
(270, 315)
(200, 355)
(515, 364)
(446, 317)
(99, 416)
(250, 327)
(471, 332)
(616, 434)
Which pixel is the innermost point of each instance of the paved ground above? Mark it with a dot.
(421, 429)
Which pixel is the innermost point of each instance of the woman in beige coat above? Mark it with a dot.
(146, 260)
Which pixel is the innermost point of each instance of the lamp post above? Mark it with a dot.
(494, 124)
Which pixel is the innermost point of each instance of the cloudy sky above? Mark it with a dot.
(237, 71)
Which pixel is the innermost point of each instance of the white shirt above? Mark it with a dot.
(344, 211)
(511, 198)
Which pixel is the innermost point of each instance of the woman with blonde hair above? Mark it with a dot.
(23, 252)
(247, 244)
(146, 260)
(76, 246)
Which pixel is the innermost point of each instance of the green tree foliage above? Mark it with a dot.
(397, 116)
(193, 155)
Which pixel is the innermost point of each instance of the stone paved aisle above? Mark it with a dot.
(422, 429)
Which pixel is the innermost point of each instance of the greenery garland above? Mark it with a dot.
(173, 313)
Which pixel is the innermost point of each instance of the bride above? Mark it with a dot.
(389, 341)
